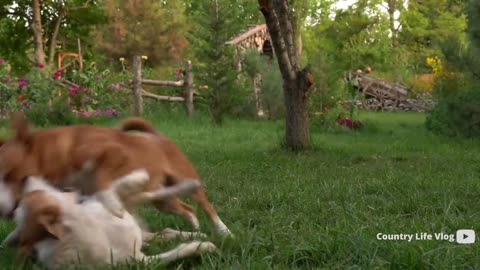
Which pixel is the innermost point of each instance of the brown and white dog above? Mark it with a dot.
(62, 231)
(59, 153)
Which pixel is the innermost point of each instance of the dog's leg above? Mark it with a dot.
(112, 159)
(170, 234)
(201, 198)
(176, 206)
(164, 193)
(183, 251)
(133, 182)
(111, 202)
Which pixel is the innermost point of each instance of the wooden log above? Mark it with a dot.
(80, 57)
(163, 83)
(137, 86)
(188, 86)
(162, 98)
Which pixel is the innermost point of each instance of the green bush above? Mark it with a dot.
(41, 95)
(457, 115)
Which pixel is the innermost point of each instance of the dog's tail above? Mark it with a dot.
(182, 188)
(138, 124)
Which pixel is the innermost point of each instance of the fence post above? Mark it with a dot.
(137, 86)
(188, 84)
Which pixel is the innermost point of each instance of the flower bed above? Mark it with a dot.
(87, 93)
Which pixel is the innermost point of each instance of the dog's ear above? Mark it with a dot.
(21, 126)
(51, 220)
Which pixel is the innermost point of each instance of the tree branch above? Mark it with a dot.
(286, 29)
(277, 41)
(53, 41)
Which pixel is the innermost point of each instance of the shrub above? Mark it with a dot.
(457, 115)
(43, 97)
(271, 83)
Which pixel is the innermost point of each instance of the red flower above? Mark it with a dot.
(40, 65)
(21, 97)
(57, 75)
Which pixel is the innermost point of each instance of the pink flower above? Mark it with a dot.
(24, 104)
(74, 90)
(2, 61)
(40, 65)
(110, 112)
(22, 82)
(7, 79)
(97, 112)
(57, 75)
(86, 114)
(116, 86)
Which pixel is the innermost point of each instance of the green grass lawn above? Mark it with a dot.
(323, 208)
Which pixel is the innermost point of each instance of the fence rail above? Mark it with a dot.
(139, 92)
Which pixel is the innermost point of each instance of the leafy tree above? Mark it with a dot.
(296, 81)
(147, 27)
(215, 24)
(426, 25)
(64, 20)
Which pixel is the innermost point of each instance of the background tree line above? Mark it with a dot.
(394, 37)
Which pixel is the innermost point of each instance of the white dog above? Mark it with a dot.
(62, 231)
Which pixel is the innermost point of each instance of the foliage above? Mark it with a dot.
(15, 28)
(215, 61)
(45, 101)
(99, 92)
(271, 86)
(152, 28)
(457, 115)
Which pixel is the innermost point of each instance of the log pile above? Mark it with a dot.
(419, 104)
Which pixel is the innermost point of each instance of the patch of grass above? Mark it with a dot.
(323, 208)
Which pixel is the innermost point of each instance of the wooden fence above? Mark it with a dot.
(139, 93)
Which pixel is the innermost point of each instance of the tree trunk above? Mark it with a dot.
(297, 125)
(257, 83)
(391, 17)
(53, 39)
(39, 55)
(296, 82)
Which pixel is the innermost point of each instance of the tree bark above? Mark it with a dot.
(137, 86)
(391, 16)
(296, 82)
(53, 39)
(257, 82)
(39, 54)
(189, 87)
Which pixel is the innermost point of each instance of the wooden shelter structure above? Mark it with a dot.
(255, 37)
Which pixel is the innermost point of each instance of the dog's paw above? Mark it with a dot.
(139, 175)
(203, 247)
(132, 182)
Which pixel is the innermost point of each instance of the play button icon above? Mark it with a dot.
(465, 236)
